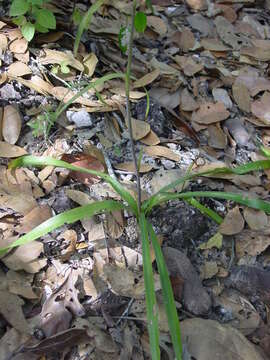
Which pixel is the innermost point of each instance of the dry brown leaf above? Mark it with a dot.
(188, 65)
(11, 309)
(162, 151)
(90, 62)
(79, 197)
(58, 57)
(197, 4)
(2, 24)
(19, 283)
(241, 96)
(18, 68)
(24, 58)
(70, 236)
(150, 139)
(227, 11)
(229, 35)
(133, 94)
(34, 218)
(140, 129)
(19, 46)
(233, 222)
(256, 219)
(185, 40)
(86, 161)
(217, 138)
(129, 167)
(213, 45)
(187, 102)
(157, 24)
(12, 124)
(10, 151)
(3, 77)
(208, 339)
(165, 98)
(251, 243)
(261, 108)
(114, 224)
(36, 83)
(210, 113)
(147, 79)
(259, 51)
(3, 43)
(13, 34)
(25, 257)
(244, 316)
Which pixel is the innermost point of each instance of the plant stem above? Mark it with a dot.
(128, 110)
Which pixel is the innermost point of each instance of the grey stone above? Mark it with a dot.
(8, 92)
(80, 118)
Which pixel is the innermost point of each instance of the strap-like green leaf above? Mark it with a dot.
(239, 170)
(238, 198)
(205, 210)
(86, 20)
(67, 217)
(168, 297)
(151, 303)
(29, 160)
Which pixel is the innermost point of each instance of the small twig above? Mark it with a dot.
(128, 73)
(125, 313)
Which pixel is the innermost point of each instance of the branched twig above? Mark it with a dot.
(128, 73)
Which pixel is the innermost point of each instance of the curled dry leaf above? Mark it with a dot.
(12, 124)
(18, 68)
(233, 222)
(150, 139)
(210, 113)
(11, 151)
(86, 161)
(50, 56)
(35, 83)
(129, 167)
(90, 63)
(162, 151)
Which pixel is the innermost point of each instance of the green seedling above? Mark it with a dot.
(32, 16)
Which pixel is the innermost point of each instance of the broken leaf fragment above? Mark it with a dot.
(214, 241)
(233, 222)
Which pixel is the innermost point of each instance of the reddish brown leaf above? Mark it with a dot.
(86, 161)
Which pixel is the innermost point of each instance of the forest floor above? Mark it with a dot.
(78, 292)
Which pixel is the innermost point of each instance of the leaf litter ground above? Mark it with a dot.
(78, 293)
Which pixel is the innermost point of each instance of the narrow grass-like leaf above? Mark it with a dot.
(151, 303)
(238, 198)
(168, 297)
(85, 23)
(205, 210)
(239, 170)
(91, 85)
(67, 217)
(265, 151)
(30, 160)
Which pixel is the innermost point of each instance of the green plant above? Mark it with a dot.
(147, 233)
(32, 16)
